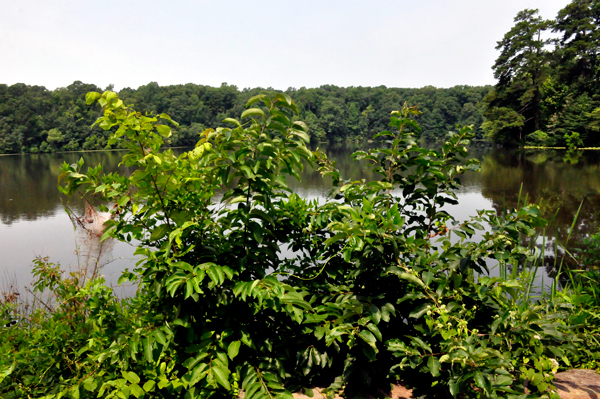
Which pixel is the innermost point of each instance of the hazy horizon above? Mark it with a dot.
(272, 44)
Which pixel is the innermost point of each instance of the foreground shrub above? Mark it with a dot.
(243, 285)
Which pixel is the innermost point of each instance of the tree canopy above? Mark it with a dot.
(547, 79)
(34, 119)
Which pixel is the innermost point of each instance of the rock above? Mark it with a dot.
(316, 395)
(400, 392)
(578, 384)
(397, 392)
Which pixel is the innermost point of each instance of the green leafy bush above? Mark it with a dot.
(589, 253)
(573, 140)
(243, 285)
(539, 138)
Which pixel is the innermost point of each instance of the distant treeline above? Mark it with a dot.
(34, 119)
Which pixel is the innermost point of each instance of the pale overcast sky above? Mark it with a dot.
(264, 43)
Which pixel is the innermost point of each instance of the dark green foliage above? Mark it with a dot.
(244, 285)
(590, 251)
(32, 117)
(521, 69)
(547, 84)
(55, 335)
(577, 53)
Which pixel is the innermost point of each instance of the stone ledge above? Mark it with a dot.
(571, 384)
(578, 384)
(397, 392)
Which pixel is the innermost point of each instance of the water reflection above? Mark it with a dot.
(33, 221)
(546, 179)
(28, 182)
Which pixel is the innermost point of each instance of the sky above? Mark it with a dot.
(278, 44)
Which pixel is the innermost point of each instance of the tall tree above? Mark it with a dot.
(520, 70)
(575, 93)
(578, 49)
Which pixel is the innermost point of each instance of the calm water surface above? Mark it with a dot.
(33, 221)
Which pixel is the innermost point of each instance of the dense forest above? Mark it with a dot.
(34, 119)
(547, 90)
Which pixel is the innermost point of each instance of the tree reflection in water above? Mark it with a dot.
(28, 194)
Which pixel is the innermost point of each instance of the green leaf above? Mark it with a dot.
(189, 288)
(216, 274)
(198, 373)
(419, 311)
(147, 349)
(149, 386)
(284, 98)
(420, 343)
(123, 200)
(131, 377)
(238, 199)
(252, 390)
(434, 366)
(481, 381)
(136, 390)
(163, 130)
(8, 370)
(386, 310)
(91, 97)
(453, 386)
(375, 313)
(183, 266)
(74, 392)
(221, 374)
(90, 384)
(159, 232)
(255, 99)
(167, 117)
(302, 135)
(253, 111)
(233, 349)
(369, 338)
(375, 330)
(411, 278)
(427, 277)
(257, 232)
(504, 380)
(301, 124)
(160, 337)
(232, 121)
(248, 172)
(537, 378)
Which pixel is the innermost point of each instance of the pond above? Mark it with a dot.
(34, 222)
